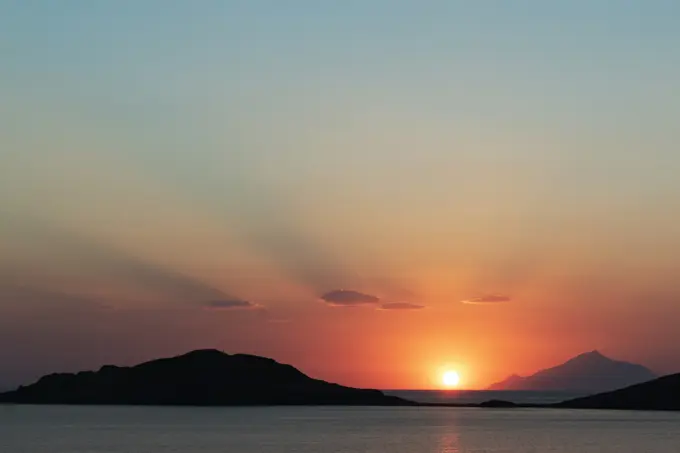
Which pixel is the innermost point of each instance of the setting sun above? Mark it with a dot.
(451, 378)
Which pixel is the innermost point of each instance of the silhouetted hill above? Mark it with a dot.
(660, 394)
(589, 372)
(203, 378)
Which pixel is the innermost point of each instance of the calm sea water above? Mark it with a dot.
(59, 429)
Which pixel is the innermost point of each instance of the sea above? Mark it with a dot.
(119, 429)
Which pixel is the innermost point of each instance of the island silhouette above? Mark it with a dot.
(198, 378)
(662, 394)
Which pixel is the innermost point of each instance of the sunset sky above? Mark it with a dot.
(371, 190)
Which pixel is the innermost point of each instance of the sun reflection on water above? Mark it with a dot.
(449, 443)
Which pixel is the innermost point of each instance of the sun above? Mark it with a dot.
(450, 378)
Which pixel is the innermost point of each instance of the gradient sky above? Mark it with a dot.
(229, 174)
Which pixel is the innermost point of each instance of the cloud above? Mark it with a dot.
(401, 306)
(348, 298)
(488, 299)
(230, 304)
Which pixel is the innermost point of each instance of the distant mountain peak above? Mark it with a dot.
(589, 371)
(591, 356)
(595, 354)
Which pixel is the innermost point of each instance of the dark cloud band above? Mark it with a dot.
(488, 299)
(229, 304)
(401, 306)
(343, 297)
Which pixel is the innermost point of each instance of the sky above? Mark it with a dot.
(374, 191)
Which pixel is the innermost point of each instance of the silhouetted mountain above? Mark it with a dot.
(512, 382)
(662, 394)
(589, 372)
(202, 378)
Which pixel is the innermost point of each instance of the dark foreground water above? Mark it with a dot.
(26, 429)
